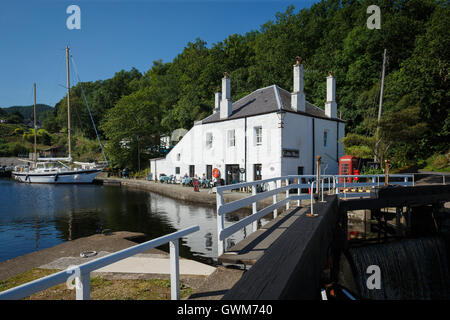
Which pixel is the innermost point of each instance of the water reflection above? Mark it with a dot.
(34, 217)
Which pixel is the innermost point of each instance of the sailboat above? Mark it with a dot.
(57, 170)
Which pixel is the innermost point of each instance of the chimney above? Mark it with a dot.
(217, 98)
(298, 96)
(225, 103)
(330, 105)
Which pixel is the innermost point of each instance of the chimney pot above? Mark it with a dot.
(298, 96)
(330, 105)
(225, 103)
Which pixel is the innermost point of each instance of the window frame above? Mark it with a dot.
(258, 137)
(325, 137)
(231, 138)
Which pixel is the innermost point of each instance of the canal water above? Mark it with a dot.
(39, 216)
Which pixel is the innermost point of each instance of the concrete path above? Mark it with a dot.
(98, 242)
(140, 263)
(177, 191)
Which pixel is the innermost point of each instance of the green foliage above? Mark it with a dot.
(131, 127)
(49, 122)
(331, 35)
(42, 136)
(27, 112)
(18, 131)
(16, 117)
(371, 171)
(359, 146)
(12, 149)
(437, 162)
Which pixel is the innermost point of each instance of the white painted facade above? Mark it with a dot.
(212, 144)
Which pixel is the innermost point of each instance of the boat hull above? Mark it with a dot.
(85, 176)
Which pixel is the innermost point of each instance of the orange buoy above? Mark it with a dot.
(216, 173)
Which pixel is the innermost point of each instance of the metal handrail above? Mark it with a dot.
(224, 208)
(82, 272)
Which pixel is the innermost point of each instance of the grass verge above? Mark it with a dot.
(101, 288)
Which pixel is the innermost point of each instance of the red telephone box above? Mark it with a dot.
(348, 165)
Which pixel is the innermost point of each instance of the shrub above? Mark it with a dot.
(442, 161)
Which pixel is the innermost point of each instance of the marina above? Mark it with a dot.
(46, 215)
(298, 154)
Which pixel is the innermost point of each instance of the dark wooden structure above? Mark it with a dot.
(291, 267)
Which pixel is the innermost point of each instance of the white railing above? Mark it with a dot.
(270, 188)
(82, 272)
(273, 186)
(341, 184)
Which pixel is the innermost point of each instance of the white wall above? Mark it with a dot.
(193, 149)
(296, 134)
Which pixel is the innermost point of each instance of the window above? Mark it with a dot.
(257, 171)
(209, 140)
(258, 136)
(177, 170)
(231, 138)
(325, 137)
(178, 156)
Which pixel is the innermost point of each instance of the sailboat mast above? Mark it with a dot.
(380, 108)
(68, 104)
(35, 127)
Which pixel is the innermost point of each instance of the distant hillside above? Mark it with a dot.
(27, 111)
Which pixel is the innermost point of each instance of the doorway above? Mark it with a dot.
(232, 173)
(257, 172)
(208, 171)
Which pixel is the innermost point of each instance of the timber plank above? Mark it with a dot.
(249, 250)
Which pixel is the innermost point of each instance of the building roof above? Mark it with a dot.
(267, 100)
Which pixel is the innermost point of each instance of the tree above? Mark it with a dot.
(131, 127)
(15, 117)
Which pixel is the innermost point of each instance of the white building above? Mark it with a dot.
(245, 141)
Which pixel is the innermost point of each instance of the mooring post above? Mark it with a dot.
(318, 175)
(386, 173)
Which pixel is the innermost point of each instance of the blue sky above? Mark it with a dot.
(114, 35)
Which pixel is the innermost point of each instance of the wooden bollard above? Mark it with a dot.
(386, 173)
(318, 174)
